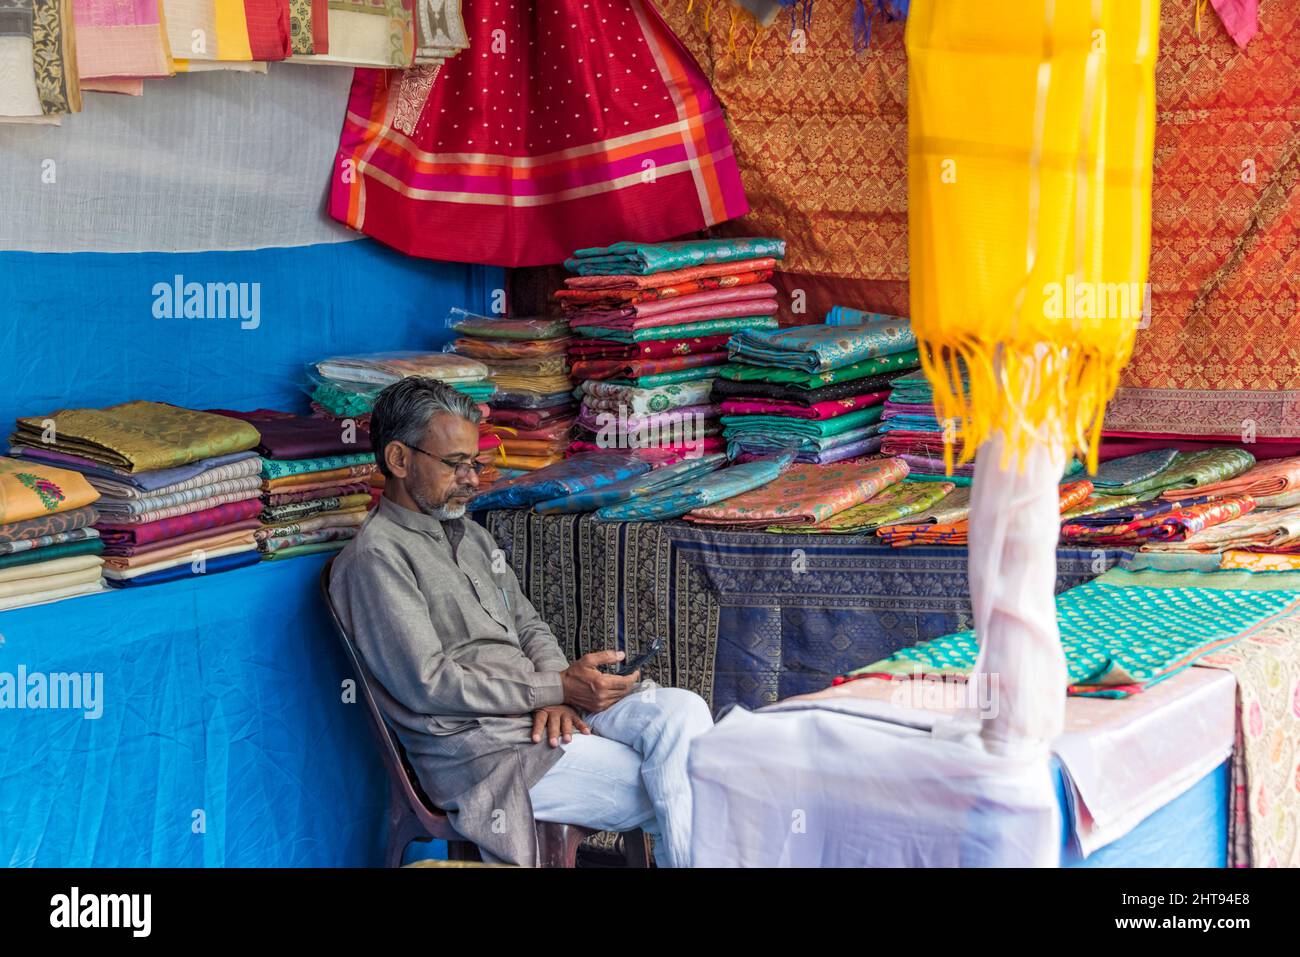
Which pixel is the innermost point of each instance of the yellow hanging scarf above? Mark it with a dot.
(1030, 153)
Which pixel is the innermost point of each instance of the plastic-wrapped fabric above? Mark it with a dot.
(573, 475)
(500, 327)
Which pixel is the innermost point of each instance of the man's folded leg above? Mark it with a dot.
(596, 783)
(658, 725)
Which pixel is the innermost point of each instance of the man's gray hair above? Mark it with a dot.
(403, 410)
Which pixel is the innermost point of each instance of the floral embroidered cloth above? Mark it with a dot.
(1194, 469)
(590, 350)
(280, 468)
(955, 531)
(726, 388)
(622, 368)
(31, 491)
(815, 349)
(137, 436)
(1159, 521)
(761, 292)
(890, 505)
(640, 259)
(683, 316)
(804, 495)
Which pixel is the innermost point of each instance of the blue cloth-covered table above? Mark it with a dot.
(225, 738)
(751, 617)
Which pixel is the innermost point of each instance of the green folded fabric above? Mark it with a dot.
(741, 372)
(1191, 469)
(89, 546)
(639, 259)
(738, 425)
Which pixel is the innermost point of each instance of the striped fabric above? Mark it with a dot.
(604, 130)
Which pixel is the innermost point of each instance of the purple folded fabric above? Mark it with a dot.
(145, 481)
(933, 466)
(288, 436)
(850, 451)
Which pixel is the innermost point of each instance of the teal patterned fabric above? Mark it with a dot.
(575, 474)
(669, 476)
(1124, 631)
(1118, 474)
(822, 348)
(639, 259)
(740, 425)
(775, 440)
(715, 487)
(279, 468)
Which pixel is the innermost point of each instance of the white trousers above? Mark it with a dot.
(630, 771)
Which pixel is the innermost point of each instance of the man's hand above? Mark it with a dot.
(589, 688)
(555, 722)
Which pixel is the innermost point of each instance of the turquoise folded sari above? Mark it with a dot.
(640, 259)
(822, 348)
(669, 476)
(715, 487)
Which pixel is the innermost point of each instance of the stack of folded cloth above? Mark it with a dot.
(178, 488)
(345, 387)
(955, 529)
(817, 391)
(805, 496)
(528, 365)
(1165, 473)
(911, 429)
(1159, 521)
(48, 549)
(650, 325)
(316, 482)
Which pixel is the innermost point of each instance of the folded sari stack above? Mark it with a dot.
(48, 547)
(699, 492)
(1162, 521)
(527, 364)
(805, 496)
(650, 325)
(956, 531)
(818, 391)
(1261, 530)
(178, 489)
(315, 483)
(911, 429)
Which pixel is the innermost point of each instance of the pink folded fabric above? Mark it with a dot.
(761, 290)
(1240, 18)
(820, 410)
(718, 310)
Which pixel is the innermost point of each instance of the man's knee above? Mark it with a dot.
(684, 707)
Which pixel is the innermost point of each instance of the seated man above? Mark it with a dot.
(474, 681)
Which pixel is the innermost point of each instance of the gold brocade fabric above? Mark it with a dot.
(820, 133)
(137, 436)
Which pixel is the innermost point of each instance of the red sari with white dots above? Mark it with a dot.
(566, 124)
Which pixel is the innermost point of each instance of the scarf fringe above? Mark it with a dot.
(1030, 393)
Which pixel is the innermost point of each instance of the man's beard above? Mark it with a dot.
(443, 513)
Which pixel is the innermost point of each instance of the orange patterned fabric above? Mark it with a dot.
(821, 134)
(1221, 356)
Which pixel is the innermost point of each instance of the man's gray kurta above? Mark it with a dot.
(461, 660)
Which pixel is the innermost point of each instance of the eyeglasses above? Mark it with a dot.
(462, 469)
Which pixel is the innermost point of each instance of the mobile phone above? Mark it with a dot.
(630, 666)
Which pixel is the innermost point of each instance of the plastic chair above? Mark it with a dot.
(413, 817)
